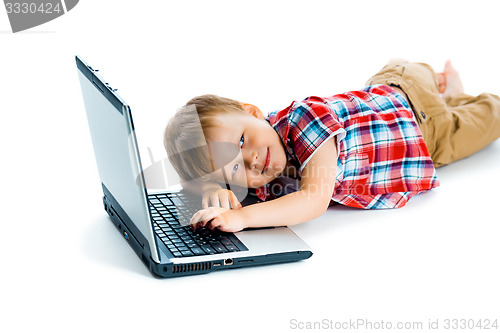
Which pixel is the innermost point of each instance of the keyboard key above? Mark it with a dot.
(187, 253)
(219, 247)
(165, 201)
(208, 249)
(189, 242)
(232, 248)
(197, 251)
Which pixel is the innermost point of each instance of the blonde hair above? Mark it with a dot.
(186, 143)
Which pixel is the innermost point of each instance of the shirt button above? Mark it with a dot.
(423, 115)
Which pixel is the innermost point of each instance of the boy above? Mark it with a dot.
(373, 148)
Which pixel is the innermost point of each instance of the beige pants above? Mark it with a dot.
(453, 128)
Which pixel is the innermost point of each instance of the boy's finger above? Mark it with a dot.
(234, 201)
(214, 199)
(224, 200)
(207, 215)
(204, 223)
(204, 201)
(195, 217)
(215, 223)
(200, 216)
(208, 223)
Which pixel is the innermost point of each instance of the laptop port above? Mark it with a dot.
(228, 262)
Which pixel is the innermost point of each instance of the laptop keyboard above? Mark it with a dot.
(171, 214)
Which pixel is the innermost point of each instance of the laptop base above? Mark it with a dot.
(169, 269)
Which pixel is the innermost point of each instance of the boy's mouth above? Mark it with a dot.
(266, 162)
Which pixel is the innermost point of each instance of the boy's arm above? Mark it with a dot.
(316, 189)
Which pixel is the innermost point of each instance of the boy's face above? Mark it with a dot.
(252, 146)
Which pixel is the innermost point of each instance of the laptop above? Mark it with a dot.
(151, 222)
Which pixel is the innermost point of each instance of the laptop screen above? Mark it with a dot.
(116, 153)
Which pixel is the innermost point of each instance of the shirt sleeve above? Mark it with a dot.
(312, 123)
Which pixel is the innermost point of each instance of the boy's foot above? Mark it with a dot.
(449, 82)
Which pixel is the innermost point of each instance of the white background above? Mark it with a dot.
(65, 267)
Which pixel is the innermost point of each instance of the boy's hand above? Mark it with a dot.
(219, 197)
(221, 218)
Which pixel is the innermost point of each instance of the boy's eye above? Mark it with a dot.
(235, 168)
(242, 141)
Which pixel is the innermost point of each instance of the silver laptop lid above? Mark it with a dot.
(116, 152)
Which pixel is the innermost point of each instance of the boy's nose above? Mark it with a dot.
(252, 160)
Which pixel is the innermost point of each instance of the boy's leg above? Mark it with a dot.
(452, 130)
(470, 124)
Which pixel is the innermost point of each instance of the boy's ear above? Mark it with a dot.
(252, 110)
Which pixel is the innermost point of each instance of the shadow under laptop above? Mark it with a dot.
(103, 243)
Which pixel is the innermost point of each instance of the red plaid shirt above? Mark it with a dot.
(382, 158)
